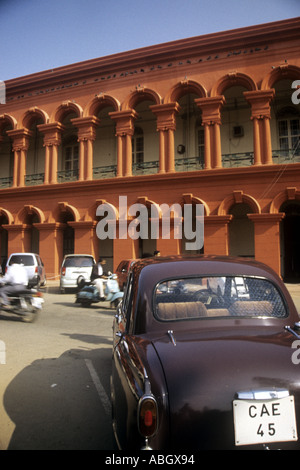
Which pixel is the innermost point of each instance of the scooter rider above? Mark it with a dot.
(97, 276)
(14, 281)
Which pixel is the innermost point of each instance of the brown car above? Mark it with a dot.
(122, 272)
(205, 357)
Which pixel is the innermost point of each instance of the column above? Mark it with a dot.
(216, 234)
(21, 138)
(267, 238)
(50, 247)
(166, 126)
(18, 237)
(86, 136)
(261, 115)
(52, 140)
(85, 238)
(124, 132)
(211, 120)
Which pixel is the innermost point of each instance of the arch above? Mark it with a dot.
(101, 101)
(280, 73)
(233, 79)
(184, 87)
(7, 120)
(288, 194)
(7, 214)
(190, 199)
(139, 95)
(32, 114)
(235, 198)
(104, 203)
(65, 207)
(31, 210)
(65, 108)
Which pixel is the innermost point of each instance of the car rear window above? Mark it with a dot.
(26, 260)
(78, 262)
(217, 296)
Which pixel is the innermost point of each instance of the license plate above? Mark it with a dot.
(264, 421)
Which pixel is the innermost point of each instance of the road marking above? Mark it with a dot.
(99, 387)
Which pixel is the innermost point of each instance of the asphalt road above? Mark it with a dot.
(54, 383)
(54, 376)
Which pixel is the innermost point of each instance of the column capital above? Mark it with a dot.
(124, 121)
(166, 115)
(86, 127)
(260, 102)
(211, 109)
(52, 133)
(20, 138)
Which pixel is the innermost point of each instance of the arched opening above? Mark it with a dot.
(236, 129)
(189, 135)
(145, 142)
(105, 145)
(285, 125)
(289, 241)
(33, 240)
(241, 231)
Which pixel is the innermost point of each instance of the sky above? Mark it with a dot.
(39, 35)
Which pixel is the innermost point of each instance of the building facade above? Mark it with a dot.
(213, 119)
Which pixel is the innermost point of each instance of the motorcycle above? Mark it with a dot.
(27, 304)
(89, 293)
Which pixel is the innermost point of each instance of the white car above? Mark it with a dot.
(75, 268)
(33, 265)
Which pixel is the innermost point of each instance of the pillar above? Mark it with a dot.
(124, 132)
(86, 136)
(85, 238)
(216, 234)
(261, 115)
(211, 120)
(267, 238)
(52, 140)
(20, 146)
(50, 247)
(166, 126)
(18, 238)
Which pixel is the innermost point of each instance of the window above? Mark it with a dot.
(289, 134)
(138, 146)
(217, 296)
(71, 157)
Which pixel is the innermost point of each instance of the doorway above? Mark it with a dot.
(289, 240)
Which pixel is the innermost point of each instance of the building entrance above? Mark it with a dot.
(290, 244)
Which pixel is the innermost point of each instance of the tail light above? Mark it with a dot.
(36, 269)
(63, 271)
(147, 416)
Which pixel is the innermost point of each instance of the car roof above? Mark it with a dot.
(148, 272)
(176, 265)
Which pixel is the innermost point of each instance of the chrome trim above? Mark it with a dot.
(262, 394)
(172, 337)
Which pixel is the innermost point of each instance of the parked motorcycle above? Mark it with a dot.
(27, 304)
(89, 294)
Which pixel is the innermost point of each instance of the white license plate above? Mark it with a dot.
(264, 421)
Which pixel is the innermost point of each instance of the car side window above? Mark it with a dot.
(127, 299)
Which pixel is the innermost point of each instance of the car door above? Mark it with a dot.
(123, 373)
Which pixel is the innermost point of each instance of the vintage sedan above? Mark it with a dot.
(205, 357)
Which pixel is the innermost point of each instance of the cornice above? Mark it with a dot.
(174, 50)
(134, 182)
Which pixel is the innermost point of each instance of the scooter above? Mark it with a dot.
(89, 294)
(27, 304)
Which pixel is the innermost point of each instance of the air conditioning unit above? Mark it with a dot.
(238, 131)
